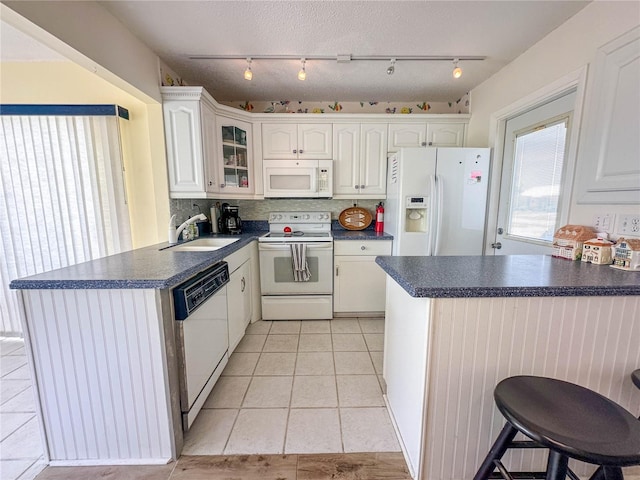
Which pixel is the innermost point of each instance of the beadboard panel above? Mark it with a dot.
(99, 360)
(476, 342)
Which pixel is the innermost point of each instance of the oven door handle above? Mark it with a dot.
(287, 246)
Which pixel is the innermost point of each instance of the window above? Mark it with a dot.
(62, 196)
(537, 174)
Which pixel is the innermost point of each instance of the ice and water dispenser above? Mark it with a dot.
(416, 211)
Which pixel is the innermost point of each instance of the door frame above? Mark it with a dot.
(497, 124)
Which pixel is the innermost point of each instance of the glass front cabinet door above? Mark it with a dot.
(235, 156)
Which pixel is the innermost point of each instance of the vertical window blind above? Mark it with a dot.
(62, 193)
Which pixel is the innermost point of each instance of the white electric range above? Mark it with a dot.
(284, 296)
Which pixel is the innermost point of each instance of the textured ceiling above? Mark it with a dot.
(499, 30)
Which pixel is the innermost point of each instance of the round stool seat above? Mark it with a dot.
(570, 419)
(635, 376)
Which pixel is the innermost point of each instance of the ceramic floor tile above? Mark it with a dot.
(241, 364)
(367, 430)
(35, 468)
(313, 430)
(110, 472)
(314, 391)
(20, 403)
(377, 358)
(316, 326)
(276, 364)
(10, 422)
(315, 363)
(12, 469)
(23, 443)
(315, 342)
(259, 327)
(353, 466)
(353, 363)
(209, 433)
(359, 391)
(281, 343)
(374, 341)
(21, 373)
(10, 344)
(345, 325)
(228, 392)
(371, 325)
(10, 388)
(10, 363)
(258, 431)
(236, 467)
(348, 342)
(285, 326)
(268, 392)
(251, 343)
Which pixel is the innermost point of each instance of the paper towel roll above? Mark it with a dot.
(214, 220)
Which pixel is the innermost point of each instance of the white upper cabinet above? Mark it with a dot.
(402, 135)
(360, 160)
(190, 135)
(236, 160)
(610, 172)
(296, 141)
(445, 134)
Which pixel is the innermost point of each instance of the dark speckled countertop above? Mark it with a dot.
(507, 276)
(155, 267)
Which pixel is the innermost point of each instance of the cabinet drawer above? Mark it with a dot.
(364, 247)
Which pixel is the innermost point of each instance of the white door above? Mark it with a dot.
(346, 155)
(373, 161)
(314, 141)
(279, 142)
(534, 190)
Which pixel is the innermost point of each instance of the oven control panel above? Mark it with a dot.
(300, 217)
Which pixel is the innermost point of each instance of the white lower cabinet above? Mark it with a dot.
(358, 282)
(239, 294)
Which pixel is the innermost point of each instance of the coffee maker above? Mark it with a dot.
(229, 221)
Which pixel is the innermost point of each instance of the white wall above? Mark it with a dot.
(571, 46)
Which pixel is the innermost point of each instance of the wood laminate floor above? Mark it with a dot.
(344, 466)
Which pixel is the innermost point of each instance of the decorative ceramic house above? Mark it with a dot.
(627, 254)
(568, 241)
(597, 251)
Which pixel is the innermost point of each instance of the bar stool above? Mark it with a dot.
(569, 420)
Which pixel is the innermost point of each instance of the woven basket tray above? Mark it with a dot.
(355, 218)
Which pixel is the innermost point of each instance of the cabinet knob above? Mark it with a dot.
(424, 144)
(210, 183)
(243, 284)
(361, 187)
(222, 185)
(430, 143)
(357, 187)
(301, 151)
(363, 247)
(295, 151)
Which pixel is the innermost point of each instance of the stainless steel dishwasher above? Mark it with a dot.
(201, 314)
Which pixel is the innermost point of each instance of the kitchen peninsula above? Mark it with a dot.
(456, 326)
(100, 337)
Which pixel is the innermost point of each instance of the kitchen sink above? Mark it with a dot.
(204, 244)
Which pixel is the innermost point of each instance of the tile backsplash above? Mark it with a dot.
(260, 209)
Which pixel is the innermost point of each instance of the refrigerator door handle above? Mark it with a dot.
(438, 233)
(432, 214)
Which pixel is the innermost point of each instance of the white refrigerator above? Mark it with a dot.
(436, 200)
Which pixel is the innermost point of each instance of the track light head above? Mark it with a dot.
(248, 74)
(457, 71)
(302, 74)
(391, 68)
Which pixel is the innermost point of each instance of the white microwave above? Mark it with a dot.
(298, 178)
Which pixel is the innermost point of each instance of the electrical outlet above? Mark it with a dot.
(629, 225)
(603, 222)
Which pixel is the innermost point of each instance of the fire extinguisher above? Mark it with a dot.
(379, 228)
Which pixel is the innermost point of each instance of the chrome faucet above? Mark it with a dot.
(174, 233)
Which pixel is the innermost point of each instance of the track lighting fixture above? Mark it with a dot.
(391, 68)
(302, 74)
(248, 74)
(457, 71)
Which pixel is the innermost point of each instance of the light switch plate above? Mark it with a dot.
(629, 225)
(603, 222)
